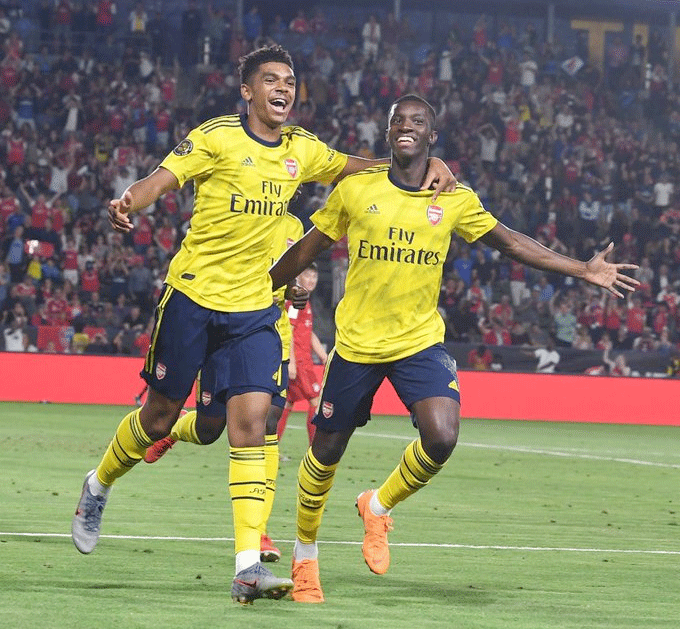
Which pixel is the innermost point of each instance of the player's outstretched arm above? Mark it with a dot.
(299, 257)
(139, 195)
(596, 271)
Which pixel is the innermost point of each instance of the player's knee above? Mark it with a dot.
(272, 420)
(441, 442)
(158, 417)
(209, 429)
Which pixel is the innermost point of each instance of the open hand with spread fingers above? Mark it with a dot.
(609, 275)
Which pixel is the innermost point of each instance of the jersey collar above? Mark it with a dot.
(250, 134)
(398, 184)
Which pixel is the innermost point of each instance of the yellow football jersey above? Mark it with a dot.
(289, 231)
(242, 186)
(398, 241)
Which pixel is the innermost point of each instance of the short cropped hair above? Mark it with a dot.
(249, 64)
(415, 98)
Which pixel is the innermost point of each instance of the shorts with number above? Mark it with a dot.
(242, 350)
(305, 386)
(207, 402)
(349, 388)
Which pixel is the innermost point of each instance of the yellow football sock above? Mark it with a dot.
(271, 468)
(413, 472)
(314, 483)
(127, 448)
(185, 429)
(247, 487)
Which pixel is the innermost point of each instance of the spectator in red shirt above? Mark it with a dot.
(299, 23)
(89, 281)
(480, 358)
(496, 335)
(142, 235)
(502, 312)
(56, 308)
(635, 317)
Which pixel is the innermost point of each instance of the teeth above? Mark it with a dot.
(406, 139)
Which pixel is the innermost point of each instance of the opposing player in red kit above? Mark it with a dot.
(303, 383)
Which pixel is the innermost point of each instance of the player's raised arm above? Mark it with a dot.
(596, 271)
(139, 195)
(299, 257)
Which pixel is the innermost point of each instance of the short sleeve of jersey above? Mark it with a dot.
(324, 164)
(474, 221)
(192, 158)
(332, 219)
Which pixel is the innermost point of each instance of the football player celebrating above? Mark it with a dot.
(217, 300)
(388, 326)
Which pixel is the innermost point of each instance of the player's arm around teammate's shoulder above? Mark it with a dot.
(438, 176)
(139, 195)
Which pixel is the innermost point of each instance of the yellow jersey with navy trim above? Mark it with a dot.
(242, 187)
(289, 231)
(398, 241)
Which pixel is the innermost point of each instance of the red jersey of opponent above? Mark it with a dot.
(302, 322)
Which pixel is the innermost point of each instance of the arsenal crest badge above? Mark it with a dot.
(327, 409)
(434, 214)
(160, 371)
(291, 167)
(206, 398)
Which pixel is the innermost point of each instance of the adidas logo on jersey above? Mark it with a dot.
(247, 162)
(372, 209)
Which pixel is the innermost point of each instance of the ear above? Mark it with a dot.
(246, 93)
(433, 137)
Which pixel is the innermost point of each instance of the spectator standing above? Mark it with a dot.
(192, 24)
(565, 324)
(252, 24)
(617, 62)
(371, 35)
(138, 21)
(663, 194)
(106, 11)
(528, 72)
(140, 284)
(14, 254)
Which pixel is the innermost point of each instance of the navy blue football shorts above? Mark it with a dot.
(207, 402)
(349, 388)
(241, 349)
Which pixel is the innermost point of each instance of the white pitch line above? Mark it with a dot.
(168, 538)
(526, 450)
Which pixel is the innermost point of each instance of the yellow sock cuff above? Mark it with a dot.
(126, 449)
(247, 488)
(271, 469)
(185, 429)
(315, 481)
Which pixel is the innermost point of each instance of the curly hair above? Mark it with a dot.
(249, 64)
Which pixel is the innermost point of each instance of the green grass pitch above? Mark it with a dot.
(529, 526)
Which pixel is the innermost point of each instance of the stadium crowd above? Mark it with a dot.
(554, 148)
